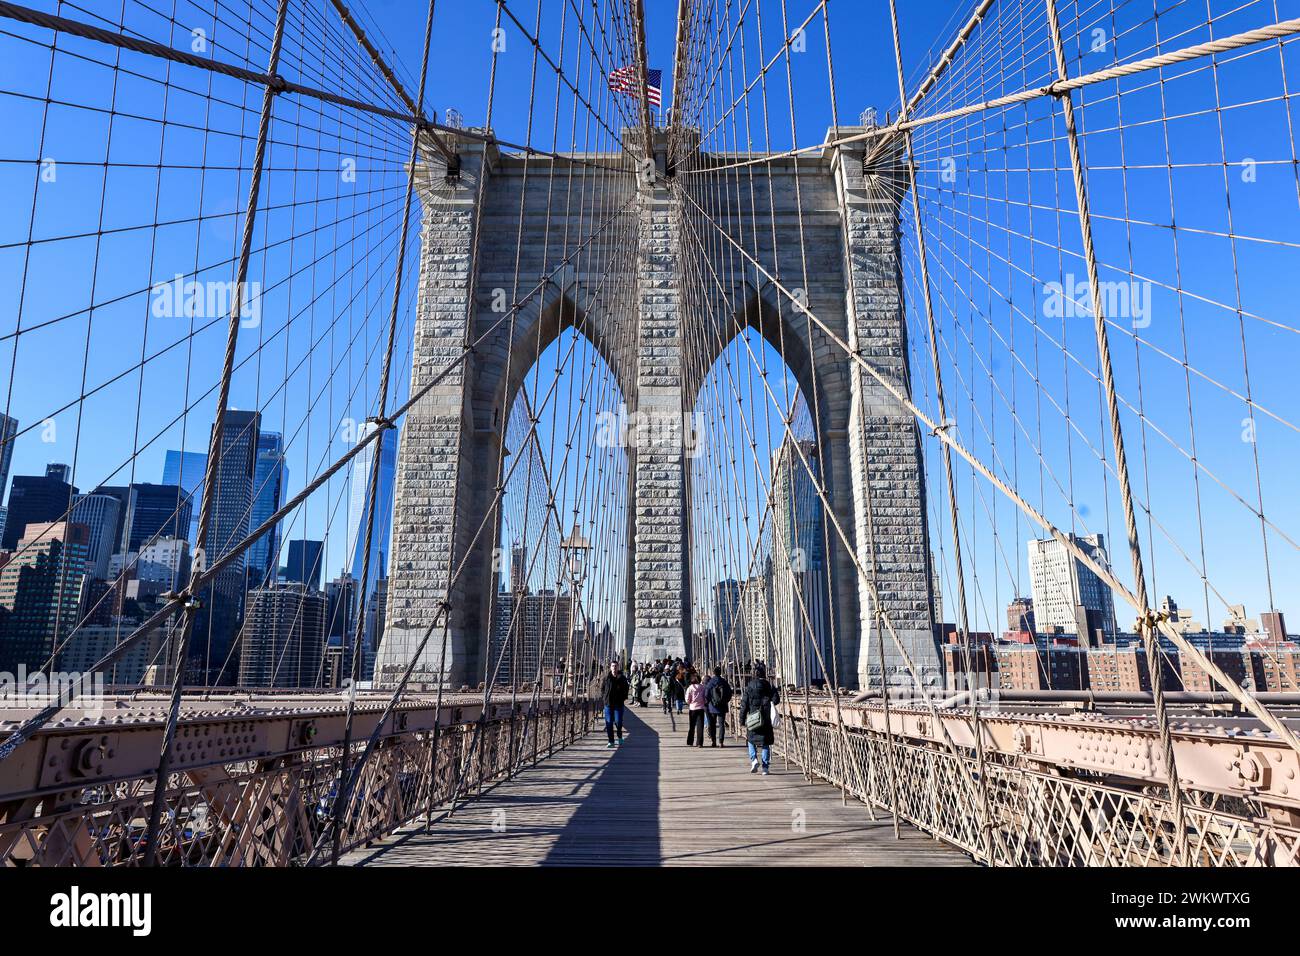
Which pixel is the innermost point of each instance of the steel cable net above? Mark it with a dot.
(1017, 334)
(215, 254)
(134, 174)
(1117, 464)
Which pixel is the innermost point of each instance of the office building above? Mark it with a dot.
(165, 561)
(213, 659)
(87, 645)
(1020, 616)
(800, 589)
(270, 475)
(727, 613)
(101, 515)
(754, 636)
(303, 563)
(36, 499)
(1069, 597)
(8, 435)
(359, 504)
(41, 592)
(1041, 667)
(1274, 625)
(186, 470)
(530, 635)
(152, 512)
(283, 643)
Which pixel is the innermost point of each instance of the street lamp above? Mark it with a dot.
(576, 550)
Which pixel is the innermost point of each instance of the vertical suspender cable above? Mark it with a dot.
(214, 446)
(1146, 619)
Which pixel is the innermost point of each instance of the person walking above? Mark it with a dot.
(614, 690)
(717, 695)
(679, 688)
(639, 685)
(756, 714)
(666, 692)
(695, 703)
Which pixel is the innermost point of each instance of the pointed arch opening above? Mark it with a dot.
(761, 564)
(560, 531)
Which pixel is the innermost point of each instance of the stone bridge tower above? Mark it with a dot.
(450, 465)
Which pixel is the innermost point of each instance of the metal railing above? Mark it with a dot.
(1038, 816)
(225, 808)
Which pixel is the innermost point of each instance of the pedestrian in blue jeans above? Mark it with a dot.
(614, 690)
(759, 698)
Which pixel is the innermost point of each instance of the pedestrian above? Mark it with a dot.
(756, 708)
(666, 690)
(717, 695)
(679, 688)
(696, 703)
(614, 691)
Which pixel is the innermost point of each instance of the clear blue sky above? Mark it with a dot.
(335, 281)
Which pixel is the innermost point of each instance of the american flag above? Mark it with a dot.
(626, 80)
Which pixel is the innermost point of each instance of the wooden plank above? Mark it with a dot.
(656, 802)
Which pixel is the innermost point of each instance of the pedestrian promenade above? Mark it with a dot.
(656, 802)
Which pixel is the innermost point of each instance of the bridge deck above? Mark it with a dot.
(655, 802)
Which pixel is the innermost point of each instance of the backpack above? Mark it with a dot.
(719, 694)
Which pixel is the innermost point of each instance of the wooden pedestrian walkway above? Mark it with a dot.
(656, 802)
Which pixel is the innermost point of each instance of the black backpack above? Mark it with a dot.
(719, 695)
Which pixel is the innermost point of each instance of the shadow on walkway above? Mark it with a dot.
(617, 823)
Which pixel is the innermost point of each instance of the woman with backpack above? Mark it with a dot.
(756, 714)
(695, 702)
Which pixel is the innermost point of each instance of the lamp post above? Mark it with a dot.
(577, 551)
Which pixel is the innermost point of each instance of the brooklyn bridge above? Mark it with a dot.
(381, 381)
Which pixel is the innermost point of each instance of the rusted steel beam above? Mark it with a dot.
(118, 739)
(1223, 755)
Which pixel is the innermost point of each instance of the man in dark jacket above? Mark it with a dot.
(760, 695)
(717, 694)
(614, 689)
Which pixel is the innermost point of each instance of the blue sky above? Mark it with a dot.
(326, 294)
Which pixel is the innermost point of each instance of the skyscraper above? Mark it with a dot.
(518, 567)
(340, 623)
(284, 637)
(529, 631)
(122, 494)
(800, 591)
(727, 615)
(35, 499)
(303, 565)
(99, 513)
(358, 513)
(186, 469)
(154, 511)
(8, 433)
(1069, 597)
(40, 591)
(165, 561)
(359, 504)
(211, 656)
(754, 635)
(269, 478)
